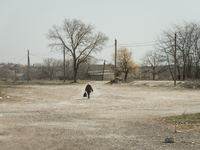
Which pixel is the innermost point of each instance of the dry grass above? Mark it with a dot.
(191, 84)
(185, 121)
(45, 82)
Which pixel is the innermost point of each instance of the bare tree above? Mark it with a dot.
(78, 39)
(68, 70)
(152, 61)
(188, 49)
(5, 71)
(51, 66)
(36, 72)
(85, 67)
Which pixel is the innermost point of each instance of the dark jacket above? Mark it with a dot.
(88, 88)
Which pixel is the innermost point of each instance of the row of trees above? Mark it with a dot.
(187, 55)
(80, 42)
(5, 71)
(52, 68)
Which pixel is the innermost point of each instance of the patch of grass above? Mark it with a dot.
(185, 121)
(45, 82)
(110, 82)
(0, 93)
(6, 83)
(191, 84)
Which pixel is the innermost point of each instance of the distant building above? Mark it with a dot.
(17, 66)
(19, 71)
(99, 73)
(1, 65)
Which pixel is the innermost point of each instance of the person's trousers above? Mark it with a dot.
(88, 94)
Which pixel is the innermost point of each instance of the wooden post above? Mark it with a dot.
(15, 76)
(115, 59)
(175, 63)
(64, 61)
(103, 69)
(28, 70)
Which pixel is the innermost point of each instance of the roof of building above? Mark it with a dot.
(17, 66)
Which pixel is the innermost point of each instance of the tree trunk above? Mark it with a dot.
(75, 71)
(184, 71)
(125, 77)
(179, 73)
(197, 73)
(75, 74)
(171, 72)
(50, 77)
(154, 76)
(184, 67)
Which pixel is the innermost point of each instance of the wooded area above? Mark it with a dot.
(187, 55)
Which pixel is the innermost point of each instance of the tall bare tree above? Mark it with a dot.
(78, 39)
(152, 61)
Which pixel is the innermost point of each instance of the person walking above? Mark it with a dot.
(88, 89)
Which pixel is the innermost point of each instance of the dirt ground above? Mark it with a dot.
(49, 117)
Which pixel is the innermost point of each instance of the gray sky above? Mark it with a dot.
(24, 23)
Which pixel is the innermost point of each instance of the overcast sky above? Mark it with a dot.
(24, 23)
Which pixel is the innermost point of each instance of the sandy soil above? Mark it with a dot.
(41, 117)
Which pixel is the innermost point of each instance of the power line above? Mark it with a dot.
(142, 44)
(36, 56)
(138, 43)
(108, 47)
(21, 59)
(43, 54)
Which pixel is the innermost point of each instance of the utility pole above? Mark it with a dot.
(103, 69)
(64, 61)
(28, 70)
(175, 63)
(115, 59)
(15, 75)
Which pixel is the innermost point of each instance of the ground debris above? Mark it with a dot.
(169, 140)
(187, 142)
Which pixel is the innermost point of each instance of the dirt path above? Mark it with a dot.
(116, 117)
